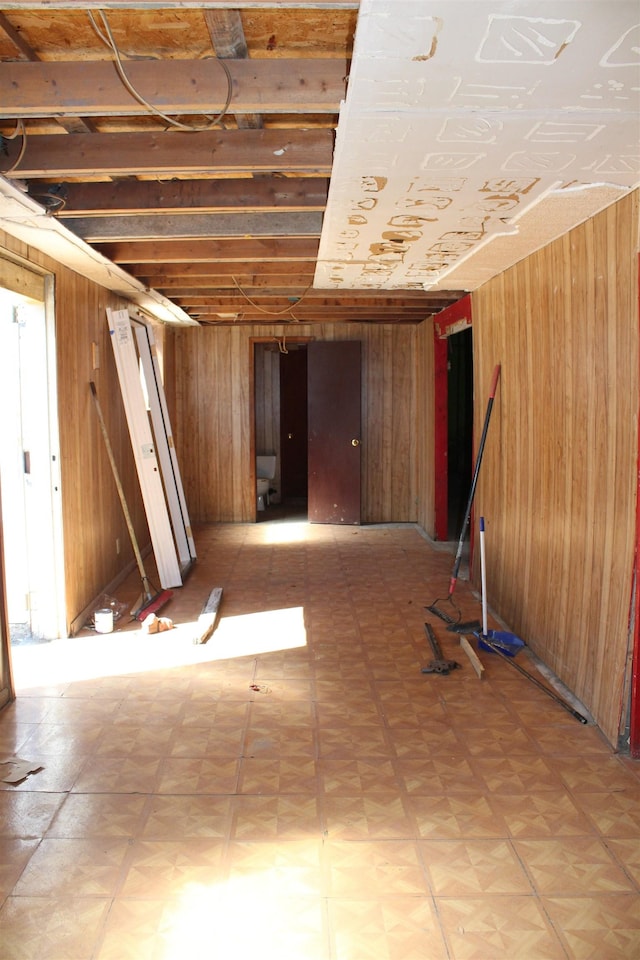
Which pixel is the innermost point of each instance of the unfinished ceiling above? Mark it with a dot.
(192, 146)
(462, 116)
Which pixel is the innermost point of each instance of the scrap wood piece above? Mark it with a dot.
(15, 769)
(476, 663)
(207, 619)
(154, 624)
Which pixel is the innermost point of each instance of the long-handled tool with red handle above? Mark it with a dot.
(456, 566)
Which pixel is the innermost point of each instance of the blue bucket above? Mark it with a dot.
(506, 643)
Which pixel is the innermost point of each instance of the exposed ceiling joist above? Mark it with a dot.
(184, 87)
(183, 4)
(213, 273)
(191, 225)
(131, 197)
(177, 152)
(222, 251)
(227, 36)
(70, 124)
(456, 116)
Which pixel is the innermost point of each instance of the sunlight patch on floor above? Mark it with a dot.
(105, 655)
(245, 919)
(287, 532)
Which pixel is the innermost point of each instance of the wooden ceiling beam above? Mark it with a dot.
(176, 152)
(276, 306)
(181, 4)
(192, 251)
(206, 225)
(204, 292)
(179, 87)
(244, 195)
(259, 287)
(71, 124)
(227, 36)
(311, 299)
(273, 310)
(265, 272)
(292, 321)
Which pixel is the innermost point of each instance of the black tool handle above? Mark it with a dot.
(525, 673)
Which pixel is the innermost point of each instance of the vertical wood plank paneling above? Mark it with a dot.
(214, 412)
(373, 459)
(558, 479)
(424, 426)
(403, 427)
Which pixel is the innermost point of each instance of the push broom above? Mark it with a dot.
(150, 601)
(433, 608)
(507, 645)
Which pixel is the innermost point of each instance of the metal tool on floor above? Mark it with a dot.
(469, 626)
(439, 664)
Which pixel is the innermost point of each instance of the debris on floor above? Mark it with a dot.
(15, 769)
(209, 615)
(103, 604)
(474, 660)
(155, 624)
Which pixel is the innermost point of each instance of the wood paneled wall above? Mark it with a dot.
(558, 479)
(214, 397)
(92, 515)
(558, 482)
(425, 428)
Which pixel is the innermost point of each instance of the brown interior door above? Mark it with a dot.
(293, 425)
(333, 395)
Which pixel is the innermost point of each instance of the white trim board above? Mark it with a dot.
(165, 446)
(144, 448)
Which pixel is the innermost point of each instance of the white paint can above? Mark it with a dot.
(103, 620)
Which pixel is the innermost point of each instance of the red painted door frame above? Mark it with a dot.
(453, 319)
(634, 724)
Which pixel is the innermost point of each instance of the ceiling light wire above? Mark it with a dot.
(20, 131)
(273, 313)
(109, 40)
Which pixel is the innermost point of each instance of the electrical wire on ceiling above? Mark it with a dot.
(108, 39)
(273, 313)
(20, 131)
(54, 200)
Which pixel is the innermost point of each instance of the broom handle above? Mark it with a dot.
(483, 572)
(116, 477)
(474, 482)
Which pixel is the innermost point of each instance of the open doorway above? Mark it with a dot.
(280, 424)
(29, 466)
(307, 423)
(460, 427)
(453, 418)
(294, 473)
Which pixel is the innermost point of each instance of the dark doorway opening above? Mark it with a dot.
(460, 427)
(293, 426)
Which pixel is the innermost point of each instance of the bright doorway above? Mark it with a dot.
(29, 466)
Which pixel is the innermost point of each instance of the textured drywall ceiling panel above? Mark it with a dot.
(460, 118)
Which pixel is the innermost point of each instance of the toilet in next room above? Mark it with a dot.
(265, 472)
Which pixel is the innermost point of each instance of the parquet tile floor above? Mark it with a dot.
(297, 789)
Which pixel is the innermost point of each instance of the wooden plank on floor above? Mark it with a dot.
(474, 659)
(207, 619)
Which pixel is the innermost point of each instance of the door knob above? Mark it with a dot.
(290, 436)
(355, 443)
